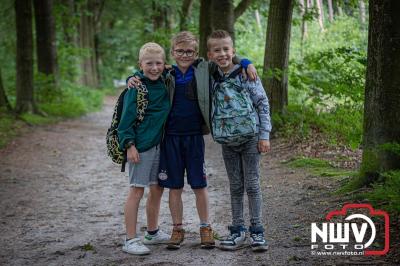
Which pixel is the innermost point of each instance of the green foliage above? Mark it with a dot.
(34, 119)
(8, 47)
(345, 31)
(339, 125)
(331, 77)
(391, 147)
(326, 76)
(326, 83)
(73, 101)
(7, 128)
(126, 26)
(387, 194)
(88, 247)
(318, 167)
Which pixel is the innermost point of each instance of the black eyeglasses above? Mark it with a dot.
(181, 52)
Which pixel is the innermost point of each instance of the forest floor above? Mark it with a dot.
(62, 204)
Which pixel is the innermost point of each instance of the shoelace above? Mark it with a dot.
(257, 237)
(176, 235)
(137, 242)
(233, 236)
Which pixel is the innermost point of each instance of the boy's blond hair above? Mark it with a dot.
(218, 34)
(184, 37)
(151, 48)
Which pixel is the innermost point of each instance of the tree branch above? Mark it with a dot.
(241, 7)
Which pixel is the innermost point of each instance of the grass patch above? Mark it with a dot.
(36, 120)
(318, 167)
(74, 102)
(386, 194)
(339, 125)
(7, 128)
(305, 162)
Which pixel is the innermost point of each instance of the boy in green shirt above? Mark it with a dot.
(141, 141)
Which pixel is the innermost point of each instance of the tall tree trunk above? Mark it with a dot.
(382, 93)
(258, 20)
(87, 31)
(184, 14)
(361, 6)
(24, 87)
(320, 14)
(157, 16)
(46, 40)
(275, 78)
(330, 11)
(339, 9)
(303, 12)
(4, 103)
(205, 25)
(70, 36)
(67, 21)
(223, 16)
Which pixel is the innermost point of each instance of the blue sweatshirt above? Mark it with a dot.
(185, 116)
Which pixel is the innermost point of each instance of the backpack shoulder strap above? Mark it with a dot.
(142, 101)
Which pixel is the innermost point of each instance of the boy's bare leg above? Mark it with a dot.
(131, 210)
(176, 206)
(202, 204)
(153, 206)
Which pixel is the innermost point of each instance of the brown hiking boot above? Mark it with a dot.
(176, 239)
(207, 237)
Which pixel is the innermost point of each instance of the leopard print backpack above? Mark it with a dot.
(117, 154)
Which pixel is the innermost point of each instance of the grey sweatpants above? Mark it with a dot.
(242, 165)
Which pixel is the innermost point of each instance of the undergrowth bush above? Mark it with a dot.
(72, 100)
(339, 125)
(387, 193)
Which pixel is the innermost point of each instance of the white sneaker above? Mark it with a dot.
(159, 238)
(135, 246)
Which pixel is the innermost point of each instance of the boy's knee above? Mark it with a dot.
(175, 192)
(136, 193)
(237, 188)
(253, 190)
(155, 190)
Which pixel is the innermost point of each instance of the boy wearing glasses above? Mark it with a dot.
(182, 148)
(183, 144)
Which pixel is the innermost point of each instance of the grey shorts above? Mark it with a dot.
(145, 172)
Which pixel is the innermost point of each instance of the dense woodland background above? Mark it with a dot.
(331, 68)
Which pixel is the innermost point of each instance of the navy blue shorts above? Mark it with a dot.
(180, 154)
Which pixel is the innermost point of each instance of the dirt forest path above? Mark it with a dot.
(62, 204)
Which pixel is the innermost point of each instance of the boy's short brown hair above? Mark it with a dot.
(184, 37)
(151, 48)
(218, 34)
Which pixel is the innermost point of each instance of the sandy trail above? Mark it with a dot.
(62, 204)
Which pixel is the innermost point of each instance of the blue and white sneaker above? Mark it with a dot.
(159, 238)
(257, 240)
(235, 240)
